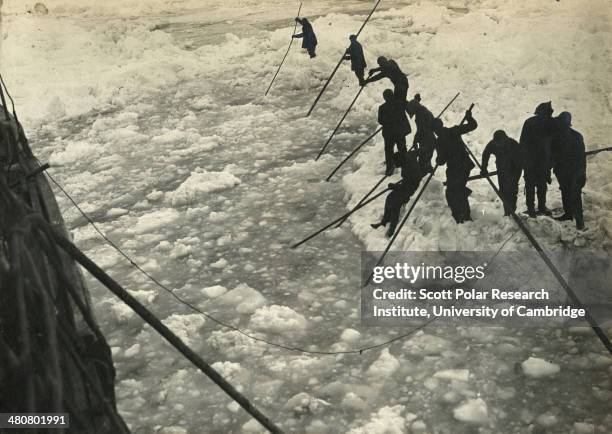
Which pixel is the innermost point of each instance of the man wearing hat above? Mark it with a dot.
(424, 138)
(354, 53)
(388, 68)
(509, 165)
(395, 127)
(402, 191)
(451, 150)
(535, 142)
(309, 39)
(570, 169)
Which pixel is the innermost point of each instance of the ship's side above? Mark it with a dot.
(54, 357)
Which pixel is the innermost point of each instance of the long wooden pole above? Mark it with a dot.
(484, 175)
(372, 136)
(353, 152)
(405, 219)
(163, 330)
(340, 62)
(285, 56)
(358, 207)
(597, 151)
(339, 123)
(568, 289)
(363, 199)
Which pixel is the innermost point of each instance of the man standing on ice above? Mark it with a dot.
(509, 162)
(536, 141)
(309, 39)
(451, 150)
(388, 68)
(424, 139)
(395, 127)
(570, 169)
(402, 191)
(354, 53)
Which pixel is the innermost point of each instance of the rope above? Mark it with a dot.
(216, 320)
(340, 62)
(32, 219)
(601, 335)
(359, 351)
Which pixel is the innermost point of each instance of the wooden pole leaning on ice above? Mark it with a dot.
(340, 61)
(405, 219)
(385, 176)
(285, 56)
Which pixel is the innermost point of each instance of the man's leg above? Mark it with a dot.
(513, 192)
(400, 141)
(401, 91)
(566, 199)
(504, 191)
(426, 148)
(388, 211)
(466, 212)
(530, 193)
(542, 188)
(401, 198)
(311, 51)
(389, 156)
(577, 207)
(451, 200)
(395, 206)
(360, 73)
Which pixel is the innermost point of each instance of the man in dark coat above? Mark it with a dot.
(388, 68)
(509, 162)
(424, 139)
(354, 53)
(451, 151)
(402, 191)
(309, 39)
(570, 168)
(535, 142)
(395, 127)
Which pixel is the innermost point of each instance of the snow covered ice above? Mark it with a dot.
(536, 368)
(153, 117)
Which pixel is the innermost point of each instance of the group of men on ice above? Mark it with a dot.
(546, 144)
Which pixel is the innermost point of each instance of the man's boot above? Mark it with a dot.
(563, 218)
(580, 222)
(566, 201)
(377, 225)
(579, 216)
(542, 210)
(530, 199)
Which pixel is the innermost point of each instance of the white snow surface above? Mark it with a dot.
(153, 117)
